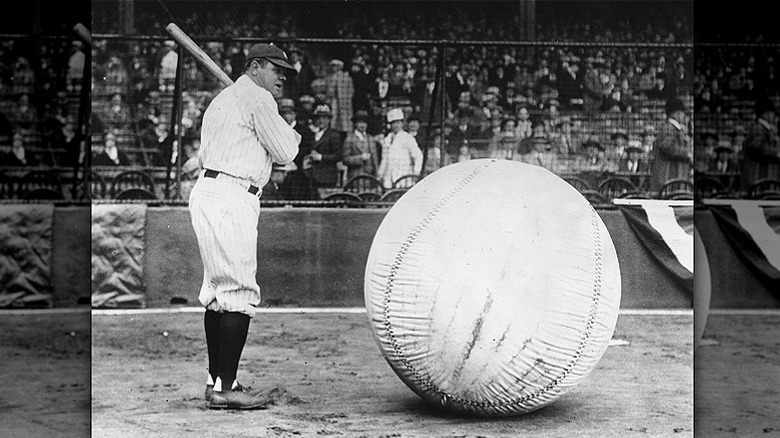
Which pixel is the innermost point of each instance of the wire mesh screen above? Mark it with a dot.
(41, 102)
(466, 82)
(735, 101)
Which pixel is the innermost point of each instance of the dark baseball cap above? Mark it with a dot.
(270, 52)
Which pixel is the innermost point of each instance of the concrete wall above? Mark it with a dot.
(316, 257)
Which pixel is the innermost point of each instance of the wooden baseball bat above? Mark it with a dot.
(83, 33)
(199, 54)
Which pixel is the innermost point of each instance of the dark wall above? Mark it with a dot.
(316, 257)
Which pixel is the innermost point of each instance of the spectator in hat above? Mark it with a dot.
(591, 162)
(505, 145)
(704, 150)
(360, 148)
(455, 82)
(299, 84)
(110, 154)
(433, 154)
(619, 138)
(594, 91)
(613, 102)
(23, 113)
(660, 90)
(672, 156)
(464, 132)
(339, 90)
(632, 160)
(737, 135)
(18, 155)
(288, 112)
(413, 127)
(723, 161)
(537, 149)
(647, 137)
(401, 155)
(539, 134)
(305, 110)
(362, 80)
(565, 141)
(325, 150)
(118, 111)
(272, 190)
(166, 66)
(523, 126)
(707, 102)
(761, 150)
(568, 83)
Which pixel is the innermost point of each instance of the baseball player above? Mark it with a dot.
(241, 137)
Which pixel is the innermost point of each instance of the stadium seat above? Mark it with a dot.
(764, 189)
(40, 184)
(707, 187)
(370, 196)
(676, 189)
(6, 186)
(42, 193)
(98, 185)
(406, 181)
(393, 195)
(616, 187)
(364, 183)
(131, 179)
(347, 199)
(135, 193)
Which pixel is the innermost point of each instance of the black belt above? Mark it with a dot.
(209, 173)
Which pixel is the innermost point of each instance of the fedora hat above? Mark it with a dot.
(360, 116)
(322, 110)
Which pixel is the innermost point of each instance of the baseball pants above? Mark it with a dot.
(225, 216)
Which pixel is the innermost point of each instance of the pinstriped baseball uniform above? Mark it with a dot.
(241, 136)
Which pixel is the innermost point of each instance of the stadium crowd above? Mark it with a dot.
(584, 110)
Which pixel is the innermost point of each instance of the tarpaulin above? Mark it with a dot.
(118, 247)
(25, 255)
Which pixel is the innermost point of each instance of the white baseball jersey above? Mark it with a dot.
(243, 133)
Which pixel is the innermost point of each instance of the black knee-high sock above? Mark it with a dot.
(211, 322)
(233, 329)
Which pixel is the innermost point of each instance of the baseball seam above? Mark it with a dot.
(425, 382)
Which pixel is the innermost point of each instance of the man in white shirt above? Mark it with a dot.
(241, 137)
(400, 154)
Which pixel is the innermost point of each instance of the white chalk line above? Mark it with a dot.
(351, 310)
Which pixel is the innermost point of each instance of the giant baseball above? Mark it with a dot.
(492, 288)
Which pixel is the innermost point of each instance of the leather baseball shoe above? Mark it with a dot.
(238, 398)
(209, 391)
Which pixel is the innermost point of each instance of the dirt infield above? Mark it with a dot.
(737, 384)
(45, 367)
(337, 384)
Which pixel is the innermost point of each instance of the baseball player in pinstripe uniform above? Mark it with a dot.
(241, 136)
